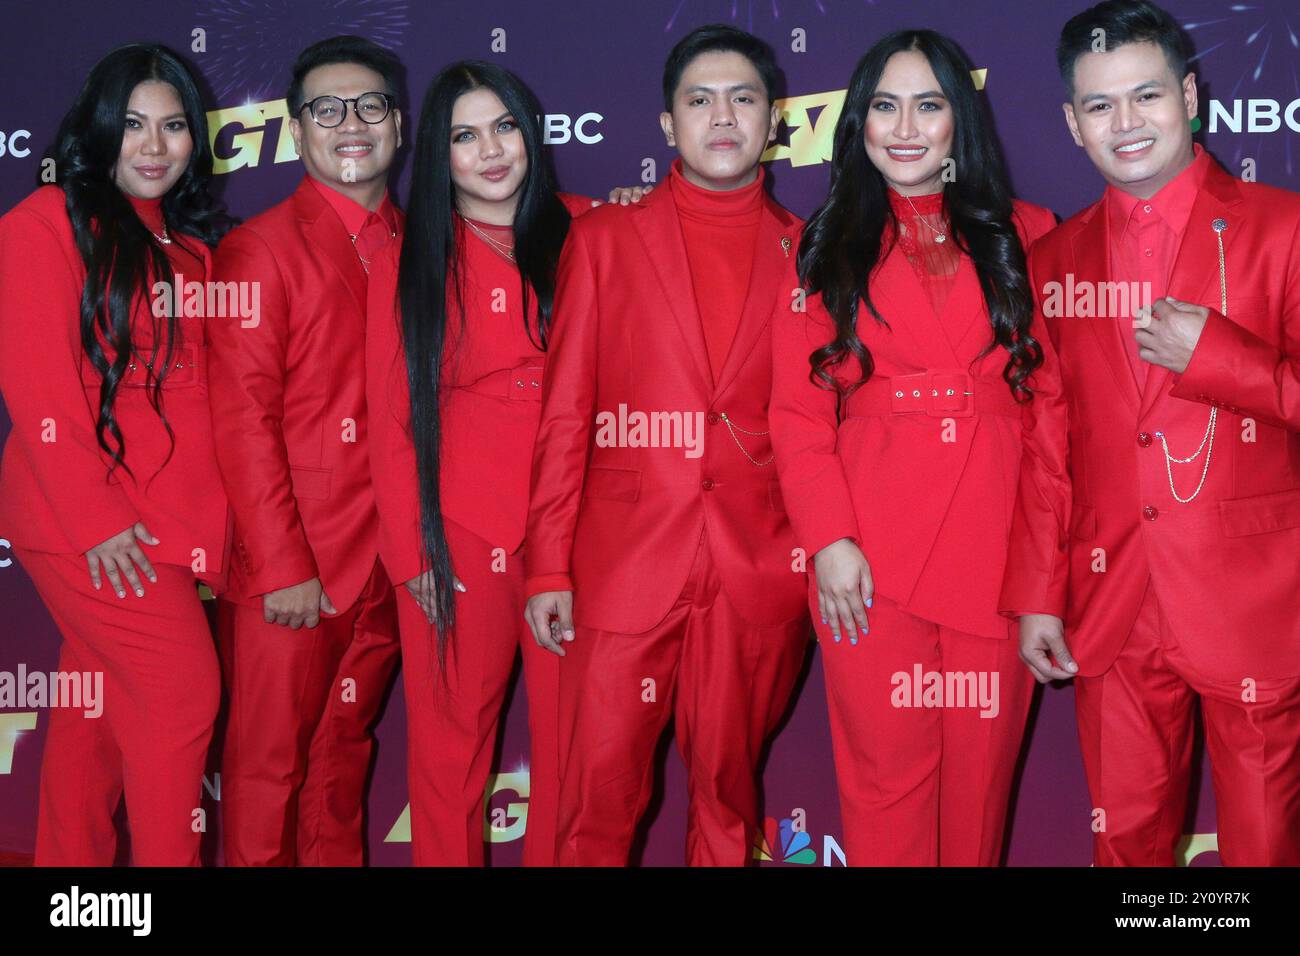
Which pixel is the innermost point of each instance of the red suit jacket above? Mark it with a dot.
(492, 380)
(624, 522)
(54, 494)
(289, 405)
(929, 503)
(1226, 567)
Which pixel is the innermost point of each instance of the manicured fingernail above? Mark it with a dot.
(139, 592)
(823, 620)
(153, 579)
(865, 632)
(837, 638)
(853, 639)
(869, 600)
(121, 594)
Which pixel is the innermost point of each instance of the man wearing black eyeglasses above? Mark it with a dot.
(308, 628)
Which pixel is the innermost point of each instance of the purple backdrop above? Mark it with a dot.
(596, 68)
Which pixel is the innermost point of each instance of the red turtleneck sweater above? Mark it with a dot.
(719, 228)
(181, 259)
(921, 222)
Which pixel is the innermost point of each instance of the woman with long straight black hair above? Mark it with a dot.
(896, 420)
(456, 337)
(109, 476)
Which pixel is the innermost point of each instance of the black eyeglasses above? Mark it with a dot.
(331, 111)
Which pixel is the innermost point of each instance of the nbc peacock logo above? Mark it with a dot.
(785, 841)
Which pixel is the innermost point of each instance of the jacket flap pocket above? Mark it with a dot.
(310, 483)
(1259, 514)
(612, 484)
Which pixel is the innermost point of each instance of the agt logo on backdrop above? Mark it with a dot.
(811, 119)
(504, 819)
(238, 133)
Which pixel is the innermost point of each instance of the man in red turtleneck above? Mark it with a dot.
(661, 565)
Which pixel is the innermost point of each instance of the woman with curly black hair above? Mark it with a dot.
(109, 480)
(896, 421)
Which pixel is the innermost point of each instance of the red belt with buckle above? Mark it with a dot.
(522, 384)
(939, 394)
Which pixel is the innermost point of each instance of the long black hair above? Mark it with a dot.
(119, 252)
(431, 269)
(845, 238)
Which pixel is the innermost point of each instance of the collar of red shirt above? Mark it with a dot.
(353, 214)
(1173, 203)
(721, 206)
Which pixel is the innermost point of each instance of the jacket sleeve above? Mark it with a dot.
(802, 418)
(1233, 367)
(388, 416)
(567, 417)
(50, 406)
(248, 365)
(1037, 571)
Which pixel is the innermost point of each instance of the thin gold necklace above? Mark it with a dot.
(938, 236)
(496, 244)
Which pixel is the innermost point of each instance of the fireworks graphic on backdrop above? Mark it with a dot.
(741, 12)
(1267, 45)
(252, 43)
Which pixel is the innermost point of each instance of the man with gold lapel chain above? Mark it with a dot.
(661, 564)
(308, 630)
(1154, 556)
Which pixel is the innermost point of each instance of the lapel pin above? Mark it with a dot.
(1219, 225)
(785, 245)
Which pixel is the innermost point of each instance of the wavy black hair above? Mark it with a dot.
(845, 238)
(431, 268)
(119, 252)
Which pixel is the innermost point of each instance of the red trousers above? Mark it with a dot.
(161, 689)
(298, 740)
(924, 779)
(725, 680)
(1135, 728)
(452, 718)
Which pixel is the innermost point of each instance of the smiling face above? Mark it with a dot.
(489, 160)
(721, 120)
(354, 156)
(1132, 116)
(156, 144)
(909, 127)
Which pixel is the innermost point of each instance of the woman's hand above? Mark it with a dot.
(422, 588)
(844, 588)
(624, 195)
(118, 556)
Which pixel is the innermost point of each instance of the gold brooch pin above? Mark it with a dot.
(785, 245)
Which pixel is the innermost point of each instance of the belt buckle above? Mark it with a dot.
(524, 383)
(950, 395)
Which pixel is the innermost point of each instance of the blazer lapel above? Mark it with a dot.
(1092, 264)
(327, 235)
(969, 329)
(773, 244)
(1195, 276)
(655, 219)
(901, 300)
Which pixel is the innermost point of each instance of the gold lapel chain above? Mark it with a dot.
(1207, 440)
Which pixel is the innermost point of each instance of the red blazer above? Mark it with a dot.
(289, 404)
(624, 523)
(1224, 567)
(54, 495)
(492, 380)
(931, 515)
